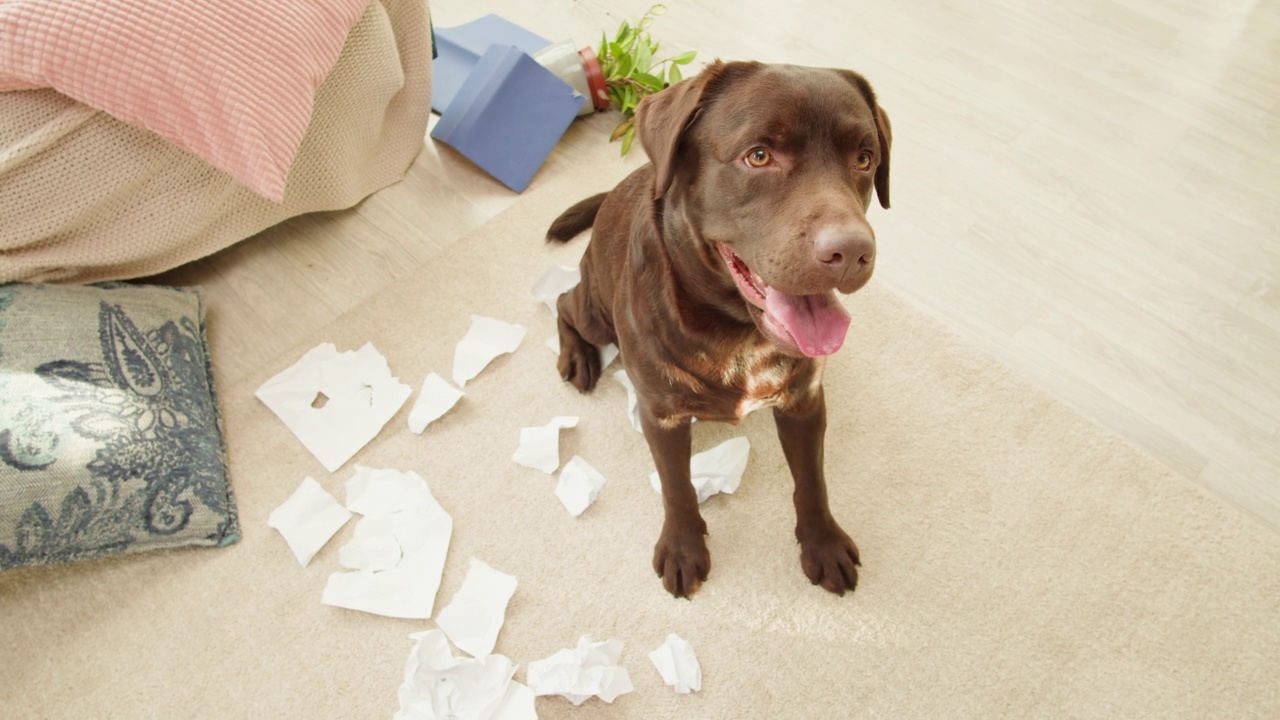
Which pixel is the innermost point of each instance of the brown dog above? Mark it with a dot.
(714, 269)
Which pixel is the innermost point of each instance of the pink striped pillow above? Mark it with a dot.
(230, 80)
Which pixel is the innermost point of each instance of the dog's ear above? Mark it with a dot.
(662, 118)
(884, 131)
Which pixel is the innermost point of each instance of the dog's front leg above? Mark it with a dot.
(680, 557)
(827, 554)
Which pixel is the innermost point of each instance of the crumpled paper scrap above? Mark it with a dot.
(718, 470)
(436, 398)
(333, 402)
(308, 519)
(439, 686)
(633, 405)
(474, 617)
(579, 485)
(484, 342)
(398, 508)
(556, 281)
(540, 446)
(678, 665)
(579, 673)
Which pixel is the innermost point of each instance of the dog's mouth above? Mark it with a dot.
(815, 325)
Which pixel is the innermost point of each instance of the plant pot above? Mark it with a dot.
(579, 69)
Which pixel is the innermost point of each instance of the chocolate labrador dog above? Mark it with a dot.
(715, 270)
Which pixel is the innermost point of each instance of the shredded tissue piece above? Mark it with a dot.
(718, 470)
(579, 485)
(399, 512)
(678, 665)
(484, 342)
(577, 674)
(436, 398)
(540, 446)
(474, 617)
(308, 519)
(556, 281)
(439, 686)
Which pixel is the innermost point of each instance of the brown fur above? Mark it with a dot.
(655, 283)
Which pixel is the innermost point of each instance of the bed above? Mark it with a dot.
(89, 194)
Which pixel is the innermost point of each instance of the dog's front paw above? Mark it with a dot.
(579, 362)
(681, 558)
(829, 557)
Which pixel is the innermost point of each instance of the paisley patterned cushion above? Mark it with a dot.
(110, 438)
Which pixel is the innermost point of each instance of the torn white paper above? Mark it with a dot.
(540, 446)
(633, 406)
(555, 282)
(373, 545)
(577, 674)
(335, 403)
(436, 398)
(438, 685)
(399, 508)
(678, 665)
(484, 342)
(579, 485)
(553, 342)
(718, 470)
(608, 353)
(474, 617)
(308, 519)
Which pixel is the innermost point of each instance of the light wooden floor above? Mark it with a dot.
(1087, 190)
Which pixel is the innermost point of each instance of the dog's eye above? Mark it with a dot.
(759, 157)
(863, 163)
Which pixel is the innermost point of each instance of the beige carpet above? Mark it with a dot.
(1017, 560)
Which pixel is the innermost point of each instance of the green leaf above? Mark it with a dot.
(674, 75)
(623, 30)
(657, 10)
(626, 139)
(644, 58)
(626, 65)
(685, 58)
(652, 82)
(615, 96)
(621, 130)
(630, 100)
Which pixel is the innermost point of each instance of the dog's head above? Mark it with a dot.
(775, 167)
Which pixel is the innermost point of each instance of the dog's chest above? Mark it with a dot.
(761, 377)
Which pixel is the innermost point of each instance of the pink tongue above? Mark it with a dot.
(817, 323)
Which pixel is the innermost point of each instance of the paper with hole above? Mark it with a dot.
(335, 402)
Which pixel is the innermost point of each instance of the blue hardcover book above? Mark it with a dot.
(508, 115)
(459, 49)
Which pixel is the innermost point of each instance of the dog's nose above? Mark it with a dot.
(844, 252)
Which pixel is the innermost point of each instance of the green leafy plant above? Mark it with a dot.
(630, 72)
